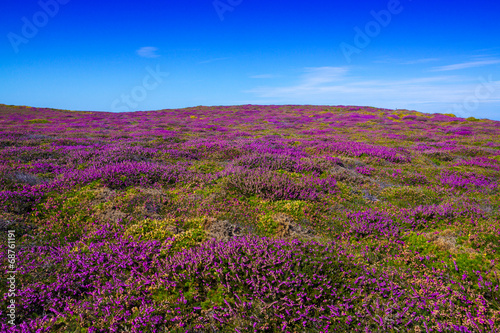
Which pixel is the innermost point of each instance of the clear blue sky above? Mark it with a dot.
(114, 56)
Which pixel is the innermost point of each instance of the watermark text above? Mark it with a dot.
(11, 277)
(30, 28)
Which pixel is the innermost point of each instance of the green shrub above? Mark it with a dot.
(267, 225)
(166, 230)
(410, 196)
(67, 214)
(39, 121)
(207, 167)
(456, 261)
(472, 119)
(188, 239)
(150, 229)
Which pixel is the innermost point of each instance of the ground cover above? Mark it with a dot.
(249, 218)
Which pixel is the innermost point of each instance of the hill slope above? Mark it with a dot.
(249, 218)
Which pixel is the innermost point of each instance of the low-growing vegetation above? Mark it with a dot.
(250, 219)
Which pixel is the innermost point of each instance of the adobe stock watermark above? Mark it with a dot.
(372, 29)
(11, 277)
(225, 6)
(127, 102)
(483, 91)
(30, 28)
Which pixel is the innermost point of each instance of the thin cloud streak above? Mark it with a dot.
(419, 61)
(148, 52)
(405, 62)
(465, 65)
(332, 85)
(212, 60)
(264, 76)
(319, 75)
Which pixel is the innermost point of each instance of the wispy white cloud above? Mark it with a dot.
(212, 60)
(419, 61)
(264, 76)
(318, 75)
(309, 83)
(416, 90)
(489, 49)
(337, 85)
(463, 65)
(405, 62)
(148, 52)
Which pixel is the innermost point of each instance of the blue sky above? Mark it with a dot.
(130, 55)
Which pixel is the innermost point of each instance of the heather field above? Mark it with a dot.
(249, 218)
